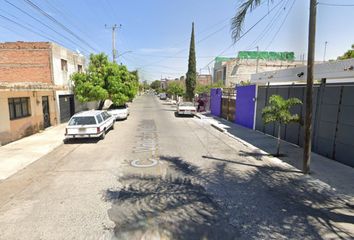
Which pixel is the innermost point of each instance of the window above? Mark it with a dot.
(99, 118)
(19, 107)
(79, 68)
(64, 65)
(82, 121)
(105, 116)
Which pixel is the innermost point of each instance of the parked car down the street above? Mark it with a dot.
(119, 112)
(89, 124)
(163, 96)
(186, 108)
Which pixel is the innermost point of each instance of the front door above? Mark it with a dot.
(46, 116)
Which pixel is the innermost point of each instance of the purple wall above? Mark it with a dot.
(244, 114)
(215, 101)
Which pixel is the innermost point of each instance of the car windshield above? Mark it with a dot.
(82, 121)
(187, 104)
(112, 107)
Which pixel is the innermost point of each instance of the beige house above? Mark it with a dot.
(34, 81)
(232, 71)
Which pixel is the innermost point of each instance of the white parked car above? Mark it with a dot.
(186, 108)
(119, 112)
(89, 124)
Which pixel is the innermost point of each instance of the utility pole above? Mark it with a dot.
(257, 59)
(309, 86)
(114, 51)
(325, 50)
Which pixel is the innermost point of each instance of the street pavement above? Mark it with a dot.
(158, 176)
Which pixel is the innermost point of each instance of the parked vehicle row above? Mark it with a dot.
(95, 123)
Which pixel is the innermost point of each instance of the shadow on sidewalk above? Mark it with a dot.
(335, 174)
(221, 202)
(270, 168)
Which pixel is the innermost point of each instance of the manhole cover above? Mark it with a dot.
(138, 163)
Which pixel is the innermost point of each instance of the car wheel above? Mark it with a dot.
(103, 135)
(112, 126)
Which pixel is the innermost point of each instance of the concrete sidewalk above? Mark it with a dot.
(19, 154)
(338, 176)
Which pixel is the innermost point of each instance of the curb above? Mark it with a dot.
(220, 129)
(200, 116)
(247, 144)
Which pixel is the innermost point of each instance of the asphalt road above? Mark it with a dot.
(158, 176)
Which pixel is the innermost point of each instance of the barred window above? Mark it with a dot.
(19, 107)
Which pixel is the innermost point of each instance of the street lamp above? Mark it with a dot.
(119, 55)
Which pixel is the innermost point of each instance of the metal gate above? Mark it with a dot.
(45, 109)
(333, 118)
(245, 101)
(66, 107)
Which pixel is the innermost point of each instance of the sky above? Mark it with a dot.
(154, 35)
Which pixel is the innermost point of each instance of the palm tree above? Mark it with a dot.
(236, 28)
(278, 111)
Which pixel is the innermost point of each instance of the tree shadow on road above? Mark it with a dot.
(189, 202)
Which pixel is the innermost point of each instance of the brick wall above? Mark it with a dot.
(203, 79)
(25, 62)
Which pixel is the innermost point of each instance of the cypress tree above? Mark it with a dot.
(191, 77)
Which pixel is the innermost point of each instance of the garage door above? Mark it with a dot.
(66, 107)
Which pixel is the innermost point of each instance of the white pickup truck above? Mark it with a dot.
(89, 124)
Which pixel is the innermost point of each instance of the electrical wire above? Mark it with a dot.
(245, 33)
(44, 13)
(27, 28)
(67, 16)
(335, 4)
(269, 26)
(281, 25)
(47, 26)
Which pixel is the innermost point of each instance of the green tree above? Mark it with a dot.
(278, 111)
(175, 89)
(202, 88)
(206, 88)
(191, 77)
(155, 85)
(348, 54)
(105, 80)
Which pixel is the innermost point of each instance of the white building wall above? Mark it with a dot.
(61, 78)
(330, 70)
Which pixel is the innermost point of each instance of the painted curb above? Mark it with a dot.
(218, 128)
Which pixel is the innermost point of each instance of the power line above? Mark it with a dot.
(27, 28)
(222, 52)
(46, 25)
(166, 56)
(281, 25)
(335, 4)
(269, 26)
(44, 13)
(67, 16)
(184, 49)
